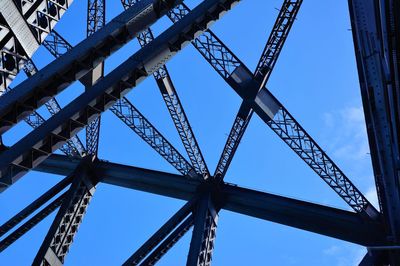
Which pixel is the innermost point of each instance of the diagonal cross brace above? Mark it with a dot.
(275, 115)
(270, 55)
(96, 18)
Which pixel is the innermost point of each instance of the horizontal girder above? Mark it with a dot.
(74, 146)
(311, 217)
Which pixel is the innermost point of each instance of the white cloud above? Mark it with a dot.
(332, 251)
(350, 136)
(372, 196)
(345, 255)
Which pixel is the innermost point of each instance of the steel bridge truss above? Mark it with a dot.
(27, 24)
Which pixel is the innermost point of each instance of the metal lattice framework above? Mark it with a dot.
(25, 25)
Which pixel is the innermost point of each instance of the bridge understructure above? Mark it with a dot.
(27, 24)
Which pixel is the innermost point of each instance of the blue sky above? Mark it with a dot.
(315, 78)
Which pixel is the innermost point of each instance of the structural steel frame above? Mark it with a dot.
(25, 25)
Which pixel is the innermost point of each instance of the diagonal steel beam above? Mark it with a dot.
(162, 233)
(128, 114)
(341, 224)
(174, 106)
(85, 56)
(169, 242)
(96, 18)
(7, 226)
(32, 222)
(64, 227)
(276, 40)
(276, 116)
(131, 116)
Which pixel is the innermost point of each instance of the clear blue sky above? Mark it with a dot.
(315, 78)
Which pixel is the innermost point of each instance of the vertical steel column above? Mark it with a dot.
(203, 236)
(96, 14)
(373, 23)
(64, 227)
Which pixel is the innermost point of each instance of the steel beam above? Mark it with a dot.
(131, 116)
(174, 106)
(73, 65)
(276, 40)
(24, 25)
(96, 18)
(35, 205)
(204, 232)
(32, 222)
(169, 242)
(275, 115)
(376, 28)
(74, 146)
(311, 217)
(162, 233)
(40, 143)
(64, 227)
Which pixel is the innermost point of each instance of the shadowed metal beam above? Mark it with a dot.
(35, 205)
(96, 19)
(175, 108)
(69, 217)
(308, 216)
(74, 146)
(345, 225)
(24, 26)
(204, 232)
(169, 242)
(32, 222)
(161, 233)
(376, 36)
(131, 116)
(55, 77)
